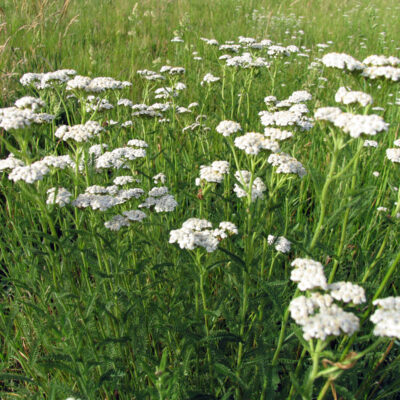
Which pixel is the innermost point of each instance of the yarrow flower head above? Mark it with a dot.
(309, 274)
(281, 243)
(198, 233)
(342, 61)
(387, 317)
(287, 164)
(209, 78)
(227, 128)
(79, 133)
(59, 196)
(346, 96)
(253, 142)
(214, 172)
(243, 189)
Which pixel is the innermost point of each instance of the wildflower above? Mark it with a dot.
(226, 128)
(346, 96)
(116, 223)
(342, 61)
(79, 133)
(379, 61)
(198, 233)
(137, 143)
(59, 196)
(122, 180)
(160, 177)
(277, 134)
(134, 215)
(214, 172)
(10, 162)
(287, 164)
(209, 78)
(299, 97)
(29, 102)
(387, 317)
(118, 157)
(48, 79)
(253, 142)
(347, 292)
(309, 274)
(387, 72)
(370, 143)
(331, 321)
(29, 173)
(281, 243)
(257, 189)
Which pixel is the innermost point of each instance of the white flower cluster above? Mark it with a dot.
(95, 85)
(123, 180)
(29, 173)
(277, 134)
(281, 243)
(347, 292)
(199, 233)
(10, 162)
(119, 221)
(387, 72)
(94, 103)
(393, 155)
(30, 102)
(159, 178)
(287, 164)
(254, 142)
(379, 61)
(342, 61)
(227, 128)
(103, 202)
(257, 189)
(213, 173)
(285, 118)
(160, 199)
(330, 320)
(150, 75)
(309, 274)
(370, 143)
(246, 60)
(209, 78)
(346, 96)
(48, 79)
(353, 124)
(387, 317)
(17, 118)
(172, 70)
(118, 157)
(59, 196)
(79, 133)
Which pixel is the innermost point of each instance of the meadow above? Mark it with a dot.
(199, 200)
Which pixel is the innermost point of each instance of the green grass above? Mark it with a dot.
(96, 314)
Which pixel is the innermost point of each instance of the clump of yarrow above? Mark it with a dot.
(286, 164)
(253, 142)
(196, 233)
(59, 196)
(213, 173)
(119, 221)
(160, 200)
(387, 317)
(280, 243)
(79, 133)
(249, 186)
(21, 117)
(317, 313)
(342, 61)
(346, 96)
(227, 128)
(353, 124)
